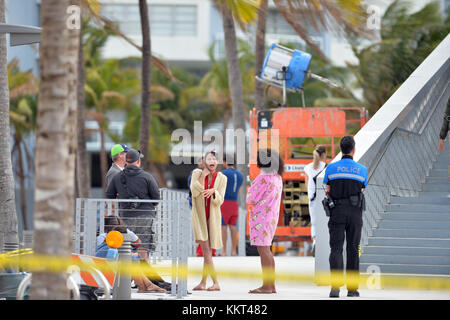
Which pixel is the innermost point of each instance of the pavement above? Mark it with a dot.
(237, 289)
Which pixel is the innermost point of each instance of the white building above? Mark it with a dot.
(182, 31)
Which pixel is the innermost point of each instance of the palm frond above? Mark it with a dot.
(160, 94)
(110, 24)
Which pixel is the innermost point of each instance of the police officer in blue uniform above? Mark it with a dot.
(345, 182)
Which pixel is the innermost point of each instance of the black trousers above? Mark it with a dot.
(345, 224)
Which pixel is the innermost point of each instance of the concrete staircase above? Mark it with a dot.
(413, 235)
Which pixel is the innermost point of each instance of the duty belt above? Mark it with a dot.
(342, 202)
(353, 201)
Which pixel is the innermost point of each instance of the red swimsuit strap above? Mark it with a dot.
(208, 201)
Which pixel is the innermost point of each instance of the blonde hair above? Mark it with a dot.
(316, 156)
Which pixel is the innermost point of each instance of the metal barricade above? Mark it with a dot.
(168, 234)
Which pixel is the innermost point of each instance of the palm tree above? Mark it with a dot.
(92, 11)
(83, 180)
(144, 132)
(405, 41)
(243, 12)
(158, 126)
(94, 6)
(341, 17)
(8, 216)
(53, 214)
(259, 52)
(74, 24)
(23, 108)
(214, 86)
(108, 87)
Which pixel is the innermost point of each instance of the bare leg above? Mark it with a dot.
(208, 269)
(145, 284)
(143, 253)
(234, 232)
(224, 240)
(268, 270)
(139, 282)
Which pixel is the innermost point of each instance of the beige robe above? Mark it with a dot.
(198, 210)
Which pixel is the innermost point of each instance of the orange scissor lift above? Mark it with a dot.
(289, 124)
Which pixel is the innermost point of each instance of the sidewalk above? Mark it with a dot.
(237, 289)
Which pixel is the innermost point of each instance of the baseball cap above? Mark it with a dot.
(133, 155)
(118, 148)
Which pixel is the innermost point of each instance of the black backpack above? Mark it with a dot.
(131, 205)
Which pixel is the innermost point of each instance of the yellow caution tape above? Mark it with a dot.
(60, 264)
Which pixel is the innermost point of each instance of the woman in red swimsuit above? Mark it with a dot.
(208, 190)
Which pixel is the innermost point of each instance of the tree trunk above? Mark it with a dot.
(144, 130)
(82, 165)
(226, 119)
(162, 183)
(103, 158)
(237, 101)
(21, 174)
(8, 215)
(72, 55)
(235, 85)
(52, 210)
(259, 53)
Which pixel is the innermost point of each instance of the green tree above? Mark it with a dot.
(23, 90)
(167, 115)
(108, 87)
(214, 88)
(405, 41)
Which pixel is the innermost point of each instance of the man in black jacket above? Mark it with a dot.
(135, 183)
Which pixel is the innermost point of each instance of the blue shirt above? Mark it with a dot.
(346, 169)
(234, 182)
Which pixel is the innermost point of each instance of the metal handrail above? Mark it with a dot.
(386, 145)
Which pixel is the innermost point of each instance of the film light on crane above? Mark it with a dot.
(287, 69)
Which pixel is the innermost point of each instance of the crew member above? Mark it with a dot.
(118, 153)
(345, 182)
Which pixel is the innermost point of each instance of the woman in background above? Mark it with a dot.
(208, 191)
(264, 195)
(312, 170)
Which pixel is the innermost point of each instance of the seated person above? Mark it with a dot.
(115, 223)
